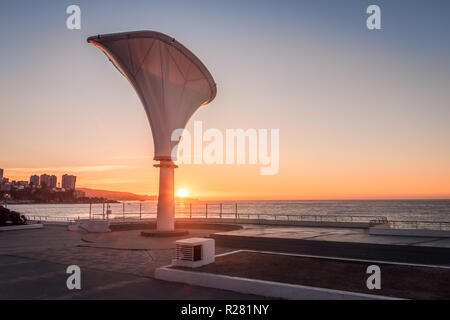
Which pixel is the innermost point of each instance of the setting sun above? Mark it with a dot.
(182, 193)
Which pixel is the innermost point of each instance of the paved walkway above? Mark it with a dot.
(23, 278)
(33, 262)
(33, 266)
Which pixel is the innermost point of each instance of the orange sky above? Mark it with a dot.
(311, 179)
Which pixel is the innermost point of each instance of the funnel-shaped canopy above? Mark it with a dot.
(170, 81)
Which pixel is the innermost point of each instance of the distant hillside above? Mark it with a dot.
(115, 195)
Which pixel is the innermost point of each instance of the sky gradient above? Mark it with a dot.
(362, 114)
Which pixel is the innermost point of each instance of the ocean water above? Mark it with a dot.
(402, 210)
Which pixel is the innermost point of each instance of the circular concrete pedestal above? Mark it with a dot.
(164, 234)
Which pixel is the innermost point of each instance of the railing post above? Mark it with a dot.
(206, 210)
(90, 210)
(103, 211)
(220, 215)
(190, 210)
(123, 210)
(140, 210)
(236, 212)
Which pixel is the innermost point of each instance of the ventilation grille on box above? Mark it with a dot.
(188, 253)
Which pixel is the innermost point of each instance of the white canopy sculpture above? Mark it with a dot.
(172, 83)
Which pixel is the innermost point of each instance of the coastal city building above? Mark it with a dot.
(44, 180)
(34, 180)
(22, 183)
(5, 187)
(53, 181)
(19, 190)
(68, 182)
(49, 181)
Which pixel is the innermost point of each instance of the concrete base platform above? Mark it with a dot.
(164, 234)
(22, 227)
(267, 289)
(133, 240)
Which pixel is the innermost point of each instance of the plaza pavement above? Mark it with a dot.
(33, 266)
(349, 235)
(121, 265)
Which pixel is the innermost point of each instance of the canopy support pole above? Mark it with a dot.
(165, 219)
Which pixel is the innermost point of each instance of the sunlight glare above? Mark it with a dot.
(182, 193)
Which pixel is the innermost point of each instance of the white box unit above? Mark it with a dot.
(194, 252)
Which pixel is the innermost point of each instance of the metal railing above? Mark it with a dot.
(287, 217)
(419, 224)
(250, 217)
(260, 218)
(139, 211)
(50, 218)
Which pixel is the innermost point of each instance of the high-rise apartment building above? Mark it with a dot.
(45, 180)
(53, 181)
(68, 182)
(34, 180)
